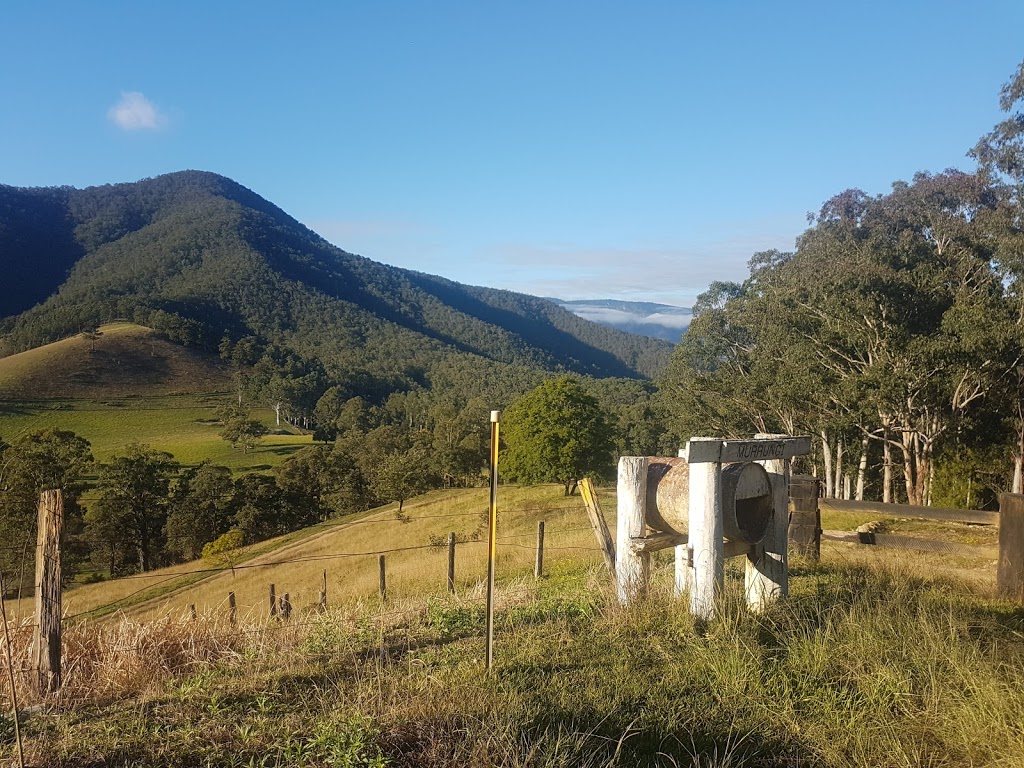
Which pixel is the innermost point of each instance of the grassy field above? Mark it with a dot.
(128, 385)
(864, 665)
(878, 658)
(184, 425)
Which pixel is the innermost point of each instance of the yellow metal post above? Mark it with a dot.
(492, 545)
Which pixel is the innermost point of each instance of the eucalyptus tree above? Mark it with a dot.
(889, 294)
(1000, 155)
(131, 511)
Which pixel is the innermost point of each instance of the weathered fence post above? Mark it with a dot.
(273, 601)
(538, 568)
(47, 644)
(767, 565)
(706, 538)
(192, 612)
(286, 606)
(1010, 572)
(451, 562)
(632, 568)
(383, 579)
(321, 603)
(597, 522)
(805, 517)
(232, 608)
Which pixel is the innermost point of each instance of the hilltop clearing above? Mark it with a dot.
(115, 360)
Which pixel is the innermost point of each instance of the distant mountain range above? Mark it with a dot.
(205, 260)
(659, 321)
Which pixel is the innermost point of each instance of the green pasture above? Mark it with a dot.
(183, 425)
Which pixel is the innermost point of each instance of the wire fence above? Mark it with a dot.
(96, 654)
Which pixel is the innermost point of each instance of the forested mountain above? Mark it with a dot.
(201, 258)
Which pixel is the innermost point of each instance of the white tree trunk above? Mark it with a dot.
(886, 468)
(826, 457)
(862, 467)
(840, 451)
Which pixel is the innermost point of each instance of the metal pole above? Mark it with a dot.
(538, 568)
(492, 544)
(10, 674)
(451, 561)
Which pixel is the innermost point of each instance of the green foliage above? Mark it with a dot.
(240, 430)
(198, 257)
(556, 433)
(37, 461)
(225, 543)
(131, 511)
(200, 510)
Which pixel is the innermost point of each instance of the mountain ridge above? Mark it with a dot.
(213, 259)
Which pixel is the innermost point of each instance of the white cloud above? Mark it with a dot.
(134, 112)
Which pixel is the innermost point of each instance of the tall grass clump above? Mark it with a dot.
(859, 667)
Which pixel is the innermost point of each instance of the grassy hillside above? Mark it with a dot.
(184, 425)
(864, 665)
(120, 358)
(127, 385)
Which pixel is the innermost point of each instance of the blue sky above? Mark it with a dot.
(574, 149)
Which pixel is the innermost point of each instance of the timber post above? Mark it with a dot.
(1010, 571)
(597, 522)
(383, 579)
(706, 551)
(46, 647)
(632, 567)
(232, 608)
(273, 601)
(767, 563)
(805, 517)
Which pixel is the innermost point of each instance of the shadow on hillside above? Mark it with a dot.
(280, 450)
(8, 408)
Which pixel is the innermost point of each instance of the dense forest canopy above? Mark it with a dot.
(894, 332)
(202, 258)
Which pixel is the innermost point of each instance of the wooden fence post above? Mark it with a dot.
(273, 601)
(597, 522)
(321, 603)
(47, 645)
(805, 516)
(538, 568)
(383, 579)
(707, 542)
(632, 568)
(192, 612)
(767, 565)
(286, 606)
(451, 562)
(1010, 572)
(232, 608)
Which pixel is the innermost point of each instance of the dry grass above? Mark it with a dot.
(124, 357)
